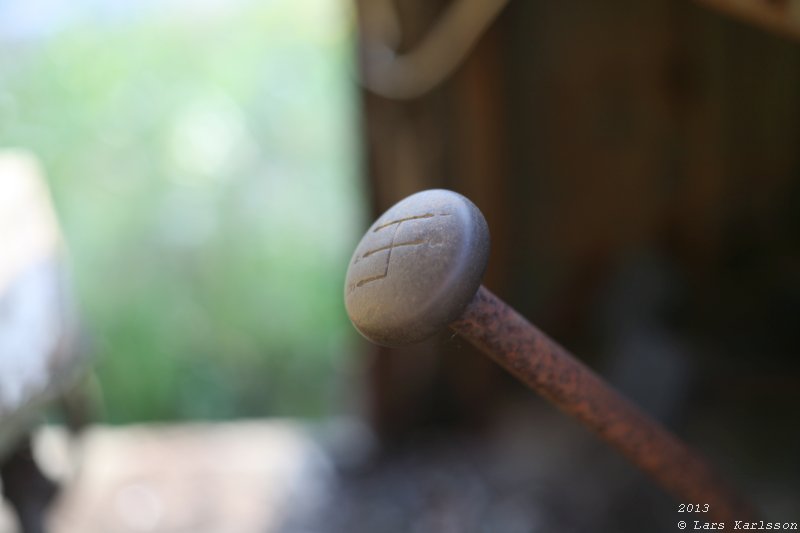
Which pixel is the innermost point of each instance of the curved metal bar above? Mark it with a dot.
(413, 74)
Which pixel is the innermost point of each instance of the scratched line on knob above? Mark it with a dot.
(392, 245)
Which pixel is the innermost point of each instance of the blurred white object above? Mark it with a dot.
(37, 330)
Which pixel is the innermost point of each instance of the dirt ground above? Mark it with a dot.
(533, 471)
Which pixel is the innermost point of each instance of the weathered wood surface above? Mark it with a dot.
(37, 331)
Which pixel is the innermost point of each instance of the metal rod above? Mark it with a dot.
(551, 371)
(419, 268)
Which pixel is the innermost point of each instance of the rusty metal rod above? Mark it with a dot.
(552, 372)
(418, 269)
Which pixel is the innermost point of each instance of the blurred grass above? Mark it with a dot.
(203, 159)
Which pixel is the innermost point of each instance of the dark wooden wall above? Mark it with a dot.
(593, 135)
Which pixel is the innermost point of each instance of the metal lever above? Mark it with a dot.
(418, 269)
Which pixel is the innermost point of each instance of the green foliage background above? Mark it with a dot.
(203, 165)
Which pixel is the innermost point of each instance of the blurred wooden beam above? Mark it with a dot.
(448, 132)
(777, 16)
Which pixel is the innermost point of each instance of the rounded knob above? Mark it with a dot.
(417, 267)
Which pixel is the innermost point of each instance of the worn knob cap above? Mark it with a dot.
(417, 268)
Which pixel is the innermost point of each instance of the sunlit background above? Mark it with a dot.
(202, 160)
